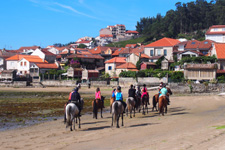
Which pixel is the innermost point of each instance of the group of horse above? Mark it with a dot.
(117, 108)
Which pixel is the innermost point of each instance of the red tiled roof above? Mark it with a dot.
(142, 55)
(206, 44)
(126, 51)
(220, 71)
(131, 45)
(47, 66)
(29, 58)
(209, 32)
(164, 42)
(220, 50)
(127, 65)
(58, 56)
(116, 60)
(106, 35)
(29, 47)
(46, 52)
(100, 49)
(118, 51)
(88, 56)
(130, 31)
(138, 49)
(192, 44)
(83, 41)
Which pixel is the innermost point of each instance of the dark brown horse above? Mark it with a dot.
(97, 104)
(145, 104)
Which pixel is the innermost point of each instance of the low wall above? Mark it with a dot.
(56, 83)
(126, 82)
(197, 88)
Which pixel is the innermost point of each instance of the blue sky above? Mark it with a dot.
(45, 22)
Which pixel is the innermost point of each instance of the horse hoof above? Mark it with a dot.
(117, 127)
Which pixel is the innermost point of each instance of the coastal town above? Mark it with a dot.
(96, 61)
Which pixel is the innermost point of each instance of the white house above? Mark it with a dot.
(216, 33)
(163, 47)
(110, 65)
(45, 55)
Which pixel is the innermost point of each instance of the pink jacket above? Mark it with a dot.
(98, 95)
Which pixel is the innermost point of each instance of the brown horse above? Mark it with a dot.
(112, 99)
(162, 105)
(97, 104)
(155, 98)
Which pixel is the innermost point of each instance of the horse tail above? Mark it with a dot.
(68, 115)
(116, 108)
(154, 101)
(95, 108)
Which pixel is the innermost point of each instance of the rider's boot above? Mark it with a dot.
(79, 115)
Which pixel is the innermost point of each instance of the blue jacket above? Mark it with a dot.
(119, 96)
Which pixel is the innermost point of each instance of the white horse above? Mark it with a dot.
(72, 112)
(117, 110)
(130, 106)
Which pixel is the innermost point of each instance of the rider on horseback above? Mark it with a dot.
(119, 97)
(131, 92)
(144, 92)
(163, 91)
(98, 96)
(75, 98)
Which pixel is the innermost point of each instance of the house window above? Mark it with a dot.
(21, 63)
(223, 29)
(159, 52)
(165, 52)
(192, 43)
(110, 68)
(25, 72)
(36, 70)
(25, 63)
(151, 53)
(206, 42)
(215, 29)
(21, 72)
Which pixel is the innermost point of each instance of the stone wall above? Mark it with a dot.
(19, 83)
(197, 88)
(56, 83)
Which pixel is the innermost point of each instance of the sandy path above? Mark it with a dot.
(189, 124)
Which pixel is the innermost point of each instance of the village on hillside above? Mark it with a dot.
(195, 60)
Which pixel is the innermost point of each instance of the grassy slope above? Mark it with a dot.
(124, 43)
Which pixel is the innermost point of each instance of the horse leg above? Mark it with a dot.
(134, 112)
(64, 117)
(122, 119)
(118, 116)
(143, 112)
(76, 120)
(74, 123)
(112, 121)
(110, 109)
(101, 113)
(147, 108)
(131, 113)
(79, 121)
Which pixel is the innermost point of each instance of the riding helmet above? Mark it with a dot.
(76, 89)
(144, 85)
(118, 88)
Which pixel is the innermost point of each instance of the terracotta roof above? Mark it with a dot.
(58, 56)
(201, 66)
(47, 66)
(130, 31)
(88, 56)
(127, 65)
(138, 49)
(29, 47)
(164, 42)
(106, 35)
(192, 44)
(126, 51)
(220, 50)
(118, 51)
(131, 45)
(209, 32)
(46, 52)
(142, 55)
(30, 58)
(206, 44)
(116, 60)
(220, 71)
(100, 49)
(83, 41)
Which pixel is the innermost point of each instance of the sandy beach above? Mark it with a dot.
(191, 123)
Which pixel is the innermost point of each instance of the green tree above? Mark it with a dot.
(81, 46)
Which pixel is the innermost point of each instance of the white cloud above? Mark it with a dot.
(74, 10)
